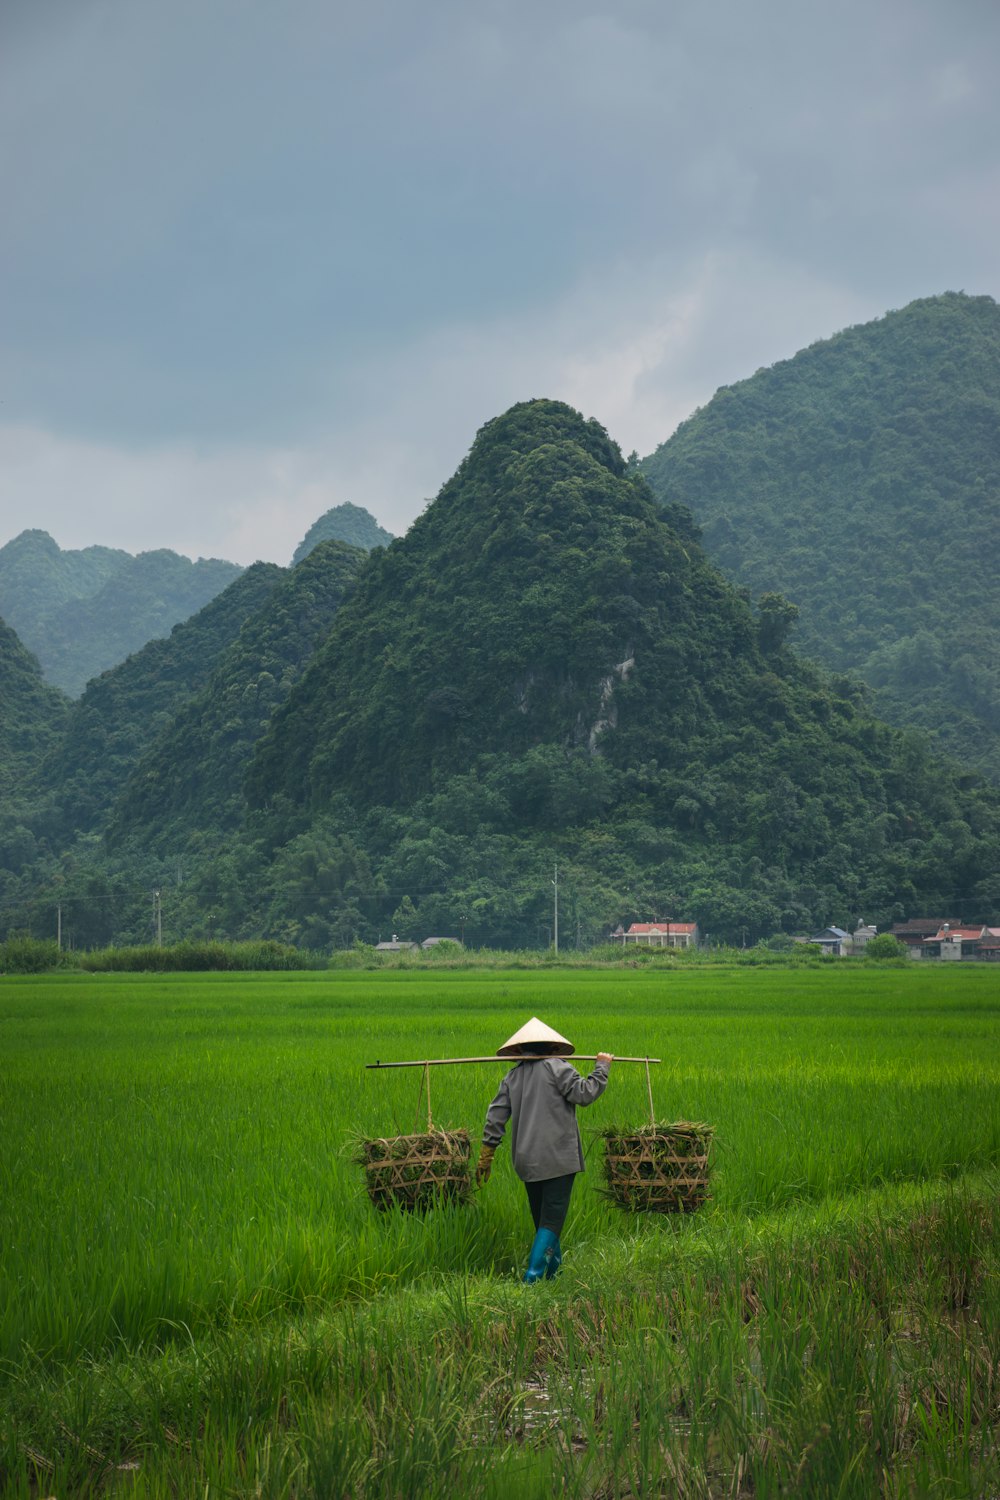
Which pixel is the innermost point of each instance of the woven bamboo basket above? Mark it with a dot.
(418, 1171)
(660, 1169)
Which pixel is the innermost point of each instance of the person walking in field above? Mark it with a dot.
(540, 1096)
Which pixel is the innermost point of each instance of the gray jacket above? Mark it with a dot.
(539, 1096)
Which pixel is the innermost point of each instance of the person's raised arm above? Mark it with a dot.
(583, 1091)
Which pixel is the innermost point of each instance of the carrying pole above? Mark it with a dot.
(450, 1062)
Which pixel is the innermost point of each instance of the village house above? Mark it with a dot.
(989, 945)
(913, 933)
(658, 935)
(954, 942)
(951, 941)
(833, 940)
(397, 946)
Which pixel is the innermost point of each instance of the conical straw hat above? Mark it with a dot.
(534, 1032)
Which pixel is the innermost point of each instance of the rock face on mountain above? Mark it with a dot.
(861, 479)
(344, 523)
(83, 612)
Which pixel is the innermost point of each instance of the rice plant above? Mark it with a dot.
(197, 1292)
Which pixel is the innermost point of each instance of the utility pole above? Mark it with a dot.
(158, 914)
(59, 926)
(555, 914)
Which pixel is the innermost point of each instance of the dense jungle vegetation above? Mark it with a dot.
(33, 714)
(861, 479)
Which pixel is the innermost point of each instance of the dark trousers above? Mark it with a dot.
(549, 1201)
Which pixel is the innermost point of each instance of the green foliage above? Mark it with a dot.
(497, 618)
(37, 576)
(27, 955)
(33, 715)
(191, 777)
(883, 945)
(197, 957)
(126, 710)
(862, 480)
(344, 523)
(82, 612)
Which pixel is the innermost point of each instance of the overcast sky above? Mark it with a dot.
(260, 258)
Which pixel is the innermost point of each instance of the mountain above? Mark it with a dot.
(125, 710)
(32, 714)
(37, 576)
(190, 777)
(546, 673)
(344, 523)
(861, 479)
(544, 668)
(83, 612)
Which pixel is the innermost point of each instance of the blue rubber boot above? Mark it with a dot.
(554, 1262)
(544, 1242)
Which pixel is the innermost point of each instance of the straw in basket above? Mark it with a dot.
(660, 1168)
(418, 1171)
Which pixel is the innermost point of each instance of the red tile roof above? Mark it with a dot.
(946, 934)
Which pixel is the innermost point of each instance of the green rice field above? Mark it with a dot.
(197, 1298)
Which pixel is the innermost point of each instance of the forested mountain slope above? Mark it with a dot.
(344, 523)
(543, 667)
(191, 778)
(83, 612)
(124, 711)
(862, 480)
(32, 715)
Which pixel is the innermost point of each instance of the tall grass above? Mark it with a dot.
(844, 1354)
(181, 1220)
(262, 954)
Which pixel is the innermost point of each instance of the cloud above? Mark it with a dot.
(639, 348)
(234, 503)
(261, 260)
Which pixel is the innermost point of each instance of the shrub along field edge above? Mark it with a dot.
(27, 955)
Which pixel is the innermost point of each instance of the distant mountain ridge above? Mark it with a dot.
(861, 479)
(82, 612)
(344, 523)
